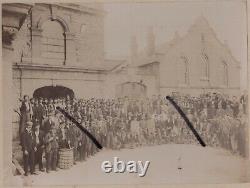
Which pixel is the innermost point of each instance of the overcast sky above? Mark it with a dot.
(226, 17)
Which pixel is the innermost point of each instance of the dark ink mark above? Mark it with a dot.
(186, 120)
(98, 145)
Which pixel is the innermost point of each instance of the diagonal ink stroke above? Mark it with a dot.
(98, 145)
(189, 124)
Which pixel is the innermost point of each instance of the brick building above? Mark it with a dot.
(48, 46)
(60, 45)
(195, 63)
(57, 51)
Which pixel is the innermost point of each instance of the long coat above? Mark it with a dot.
(39, 113)
(26, 111)
(28, 141)
(47, 126)
(50, 142)
(40, 140)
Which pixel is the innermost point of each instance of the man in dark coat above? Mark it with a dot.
(48, 139)
(48, 124)
(29, 148)
(54, 149)
(235, 107)
(39, 112)
(26, 111)
(39, 141)
(71, 138)
(62, 132)
(82, 146)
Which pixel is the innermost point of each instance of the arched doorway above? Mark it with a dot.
(53, 92)
(131, 90)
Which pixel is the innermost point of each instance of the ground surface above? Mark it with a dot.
(196, 165)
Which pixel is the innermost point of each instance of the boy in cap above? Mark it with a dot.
(51, 150)
(54, 149)
(62, 133)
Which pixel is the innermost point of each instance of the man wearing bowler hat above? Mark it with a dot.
(29, 148)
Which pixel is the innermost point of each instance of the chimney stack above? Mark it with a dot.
(150, 48)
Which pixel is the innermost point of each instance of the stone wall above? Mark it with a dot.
(83, 29)
(204, 47)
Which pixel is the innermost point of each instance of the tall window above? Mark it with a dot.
(204, 66)
(184, 70)
(53, 42)
(224, 73)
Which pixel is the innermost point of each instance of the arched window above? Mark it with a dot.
(184, 70)
(224, 73)
(204, 66)
(53, 42)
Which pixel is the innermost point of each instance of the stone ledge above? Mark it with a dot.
(62, 68)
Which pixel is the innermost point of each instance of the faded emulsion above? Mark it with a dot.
(79, 75)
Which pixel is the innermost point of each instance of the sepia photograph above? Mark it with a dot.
(125, 93)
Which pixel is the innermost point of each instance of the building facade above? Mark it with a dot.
(60, 45)
(55, 50)
(59, 51)
(195, 63)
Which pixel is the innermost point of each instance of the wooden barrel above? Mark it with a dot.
(66, 158)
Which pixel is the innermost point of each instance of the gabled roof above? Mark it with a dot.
(200, 25)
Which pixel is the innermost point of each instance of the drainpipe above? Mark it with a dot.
(20, 80)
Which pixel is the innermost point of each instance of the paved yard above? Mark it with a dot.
(168, 164)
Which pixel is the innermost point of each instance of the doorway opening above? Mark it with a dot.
(53, 92)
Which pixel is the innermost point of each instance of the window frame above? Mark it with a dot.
(205, 64)
(183, 60)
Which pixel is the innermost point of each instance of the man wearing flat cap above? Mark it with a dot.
(29, 148)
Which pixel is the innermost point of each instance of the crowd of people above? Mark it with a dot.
(127, 123)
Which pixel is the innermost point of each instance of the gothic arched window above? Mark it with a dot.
(53, 42)
(184, 70)
(205, 66)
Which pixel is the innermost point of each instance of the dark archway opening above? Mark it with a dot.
(53, 92)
